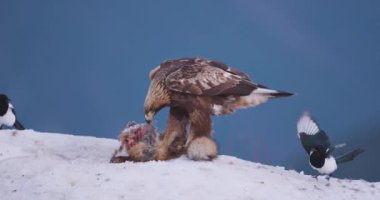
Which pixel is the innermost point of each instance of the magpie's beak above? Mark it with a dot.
(149, 116)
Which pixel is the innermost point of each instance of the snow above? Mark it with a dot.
(36, 165)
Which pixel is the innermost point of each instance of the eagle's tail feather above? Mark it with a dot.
(262, 90)
(258, 96)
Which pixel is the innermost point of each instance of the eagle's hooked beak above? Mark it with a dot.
(149, 116)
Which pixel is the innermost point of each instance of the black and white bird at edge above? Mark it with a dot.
(318, 146)
(7, 114)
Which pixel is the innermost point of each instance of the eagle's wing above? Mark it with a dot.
(209, 78)
(311, 135)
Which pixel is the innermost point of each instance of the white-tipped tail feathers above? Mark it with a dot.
(262, 90)
(307, 125)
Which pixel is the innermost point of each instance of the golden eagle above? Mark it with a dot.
(195, 89)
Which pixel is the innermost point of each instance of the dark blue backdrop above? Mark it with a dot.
(81, 67)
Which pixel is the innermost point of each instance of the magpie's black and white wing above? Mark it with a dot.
(311, 135)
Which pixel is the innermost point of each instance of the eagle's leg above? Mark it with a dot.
(172, 141)
(200, 145)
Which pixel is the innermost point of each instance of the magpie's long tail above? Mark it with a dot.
(349, 156)
(18, 125)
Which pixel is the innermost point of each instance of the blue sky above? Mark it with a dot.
(81, 67)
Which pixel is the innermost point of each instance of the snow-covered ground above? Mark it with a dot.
(50, 166)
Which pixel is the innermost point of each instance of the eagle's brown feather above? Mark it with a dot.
(206, 80)
(173, 140)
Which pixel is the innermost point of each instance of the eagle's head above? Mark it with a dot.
(153, 104)
(157, 96)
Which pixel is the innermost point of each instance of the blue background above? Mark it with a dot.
(81, 67)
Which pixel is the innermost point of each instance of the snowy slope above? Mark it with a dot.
(50, 166)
